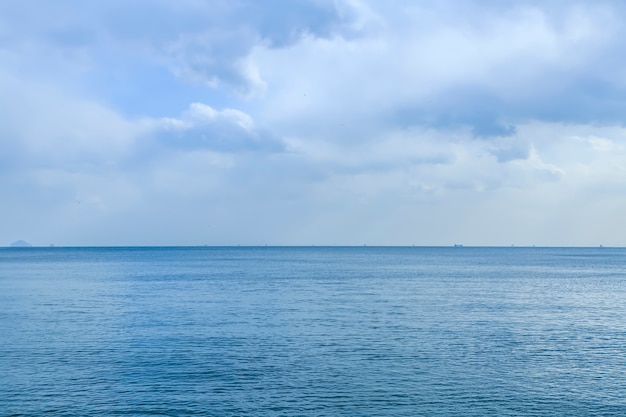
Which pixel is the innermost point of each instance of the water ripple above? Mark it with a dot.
(313, 332)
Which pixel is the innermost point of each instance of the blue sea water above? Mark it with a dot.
(319, 331)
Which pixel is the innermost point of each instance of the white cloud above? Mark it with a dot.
(313, 122)
(202, 127)
(483, 70)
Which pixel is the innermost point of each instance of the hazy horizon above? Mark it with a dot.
(455, 245)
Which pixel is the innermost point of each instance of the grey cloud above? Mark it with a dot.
(283, 22)
(481, 114)
(280, 22)
(204, 42)
(483, 121)
(512, 76)
(511, 153)
(507, 155)
(210, 42)
(558, 97)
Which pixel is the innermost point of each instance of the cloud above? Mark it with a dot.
(338, 122)
(202, 127)
(486, 68)
(205, 43)
(41, 126)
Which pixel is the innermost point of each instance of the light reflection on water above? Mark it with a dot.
(313, 331)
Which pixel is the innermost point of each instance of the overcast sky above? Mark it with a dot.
(301, 122)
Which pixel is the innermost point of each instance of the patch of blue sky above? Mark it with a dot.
(137, 89)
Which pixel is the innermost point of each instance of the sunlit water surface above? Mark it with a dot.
(313, 331)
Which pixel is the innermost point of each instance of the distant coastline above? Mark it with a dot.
(21, 244)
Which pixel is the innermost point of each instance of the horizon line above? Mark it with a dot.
(455, 245)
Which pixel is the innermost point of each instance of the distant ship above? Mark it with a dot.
(456, 245)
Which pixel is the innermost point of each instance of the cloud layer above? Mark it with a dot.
(312, 122)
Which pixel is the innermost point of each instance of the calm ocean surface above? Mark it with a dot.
(313, 331)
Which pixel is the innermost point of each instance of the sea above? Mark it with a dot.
(313, 331)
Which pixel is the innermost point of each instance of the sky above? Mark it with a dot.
(313, 122)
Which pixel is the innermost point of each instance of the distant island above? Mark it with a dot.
(21, 244)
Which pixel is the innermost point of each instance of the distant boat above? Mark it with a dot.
(456, 245)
